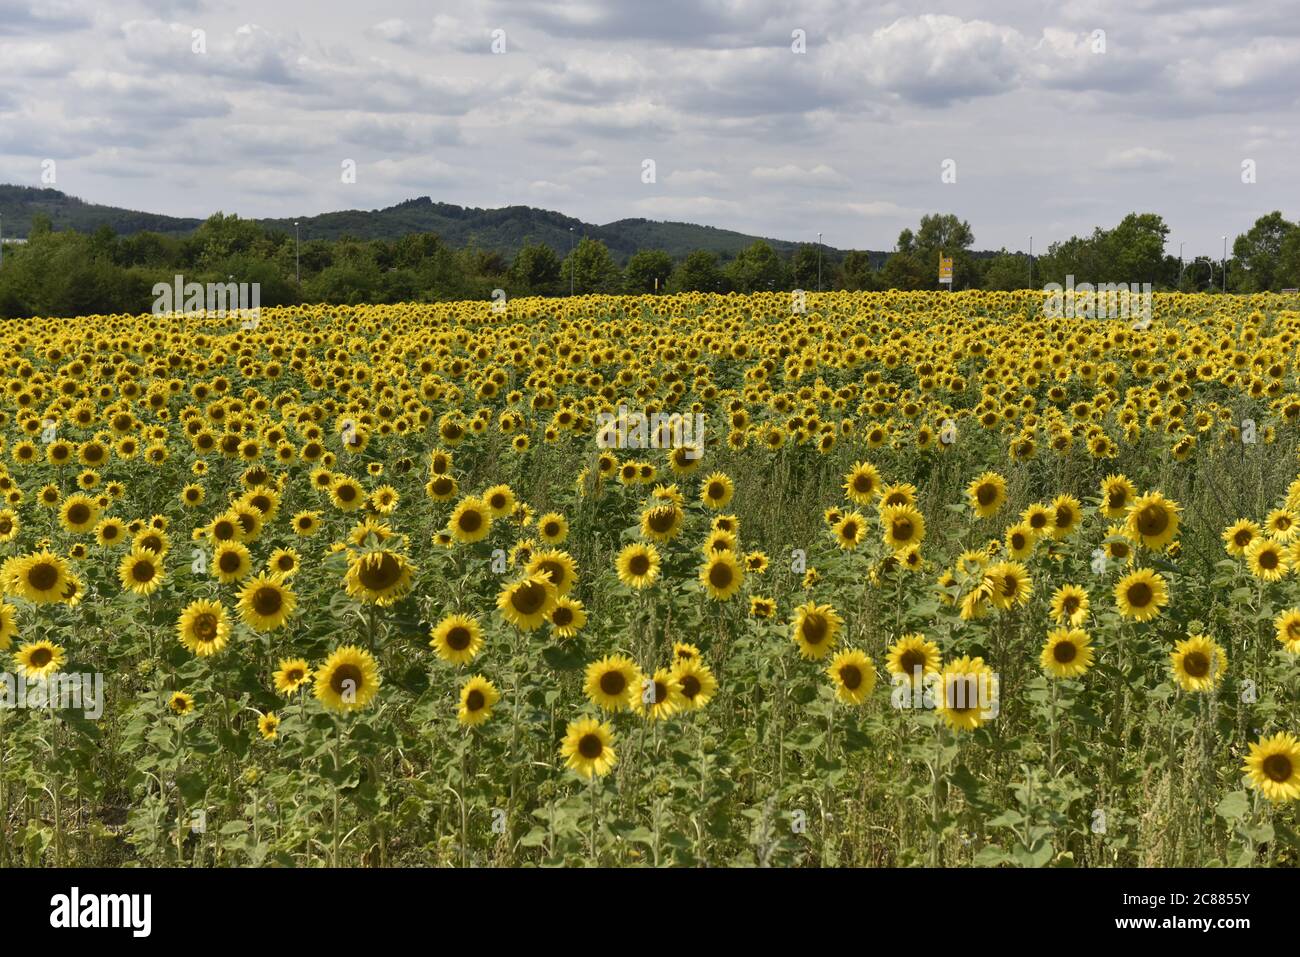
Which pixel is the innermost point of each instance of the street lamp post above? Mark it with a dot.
(1031, 261)
(571, 263)
(2, 240)
(1180, 264)
(297, 258)
(1225, 263)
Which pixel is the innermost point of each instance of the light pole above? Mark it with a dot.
(297, 259)
(1031, 262)
(1180, 265)
(819, 262)
(571, 263)
(1225, 263)
(2, 240)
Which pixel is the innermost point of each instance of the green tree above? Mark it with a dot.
(698, 272)
(805, 266)
(756, 268)
(647, 271)
(535, 271)
(1007, 271)
(904, 270)
(590, 269)
(855, 272)
(1258, 253)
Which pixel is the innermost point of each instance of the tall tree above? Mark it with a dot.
(1258, 252)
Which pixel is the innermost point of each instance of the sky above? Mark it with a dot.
(845, 118)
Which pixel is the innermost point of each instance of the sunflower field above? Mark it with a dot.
(895, 579)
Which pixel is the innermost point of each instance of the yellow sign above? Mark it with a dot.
(945, 269)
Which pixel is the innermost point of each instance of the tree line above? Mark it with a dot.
(67, 273)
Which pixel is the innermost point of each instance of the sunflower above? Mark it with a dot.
(141, 571)
(722, 576)
(180, 703)
(1281, 525)
(1288, 629)
(987, 494)
(348, 680)
(1273, 767)
(568, 617)
(903, 525)
(1198, 664)
(266, 602)
(152, 539)
(291, 674)
(41, 578)
(588, 748)
(814, 629)
(967, 694)
(1019, 541)
(499, 501)
(659, 696)
(8, 625)
(470, 522)
(760, 606)
(716, 490)
(1007, 584)
(862, 483)
(1069, 605)
(913, 657)
(284, 561)
(662, 523)
(553, 528)
(696, 681)
(231, 561)
(10, 526)
(850, 531)
(38, 660)
(527, 602)
(853, 675)
(457, 639)
(346, 493)
(637, 565)
(612, 682)
(1117, 493)
(1038, 517)
(1141, 595)
(1238, 536)
(1153, 520)
(110, 532)
(379, 577)
(557, 566)
(204, 627)
(306, 524)
(78, 514)
(1067, 653)
(1266, 559)
(478, 697)
(1066, 513)
(268, 726)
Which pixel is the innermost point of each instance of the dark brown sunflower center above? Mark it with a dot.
(1064, 652)
(562, 617)
(267, 600)
(143, 572)
(901, 529)
(661, 519)
(529, 598)
(986, 494)
(470, 521)
(910, 660)
(690, 686)
(474, 701)
(347, 678)
(1140, 594)
(1278, 767)
(814, 628)
(79, 513)
(1152, 520)
(863, 484)
(850, 531)
(851, 677)
(590, 746)
(1196, 664)
(716, 490)
(638, 564)
(42, 576)
(41, 657)
(380, 571)
(229, 562)
(1268, 559)
(1243, 537)
(613, 683)
(721, 576)
(459, 638)
(205, 626)
(346, 493)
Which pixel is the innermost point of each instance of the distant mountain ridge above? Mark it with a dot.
(505, 230)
